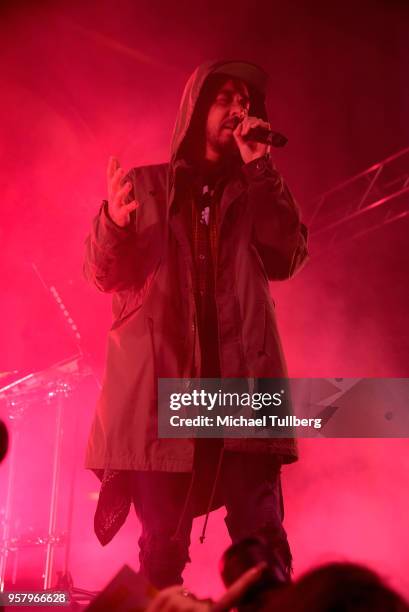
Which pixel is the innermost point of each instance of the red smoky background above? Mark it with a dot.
(85, 80)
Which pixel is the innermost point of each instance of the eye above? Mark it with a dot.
(222, 99)
(245, 103)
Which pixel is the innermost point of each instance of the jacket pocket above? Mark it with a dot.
(261, 336)
(259, 261)
(267, 328)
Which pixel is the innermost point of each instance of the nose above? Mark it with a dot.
(236, 109)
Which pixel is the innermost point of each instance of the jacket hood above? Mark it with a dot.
(251, 74)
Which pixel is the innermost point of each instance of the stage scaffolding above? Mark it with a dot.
(361, 204)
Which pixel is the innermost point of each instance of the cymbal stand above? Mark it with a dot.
(65, 581)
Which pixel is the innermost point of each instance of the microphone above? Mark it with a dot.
(266, 136)
(263, 135)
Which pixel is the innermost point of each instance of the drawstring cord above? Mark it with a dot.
(212, 494)
(185, 506)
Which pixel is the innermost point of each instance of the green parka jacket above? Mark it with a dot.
(148, 267)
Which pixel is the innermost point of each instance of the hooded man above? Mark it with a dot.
(187, 249)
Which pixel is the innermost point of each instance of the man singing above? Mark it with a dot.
(187, 249)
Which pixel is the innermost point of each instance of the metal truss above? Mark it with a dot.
(361, 204)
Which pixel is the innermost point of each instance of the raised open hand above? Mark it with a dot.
(118, 207)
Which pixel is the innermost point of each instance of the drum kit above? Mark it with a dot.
(51, 387)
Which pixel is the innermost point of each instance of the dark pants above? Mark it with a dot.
(250, 487)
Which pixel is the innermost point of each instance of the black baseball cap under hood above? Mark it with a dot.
(254, 76)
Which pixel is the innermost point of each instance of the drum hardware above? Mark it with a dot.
(54, 385)
(51, 386)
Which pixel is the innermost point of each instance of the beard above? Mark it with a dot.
(222, 142)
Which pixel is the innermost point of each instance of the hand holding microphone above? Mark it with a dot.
(254, 137)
